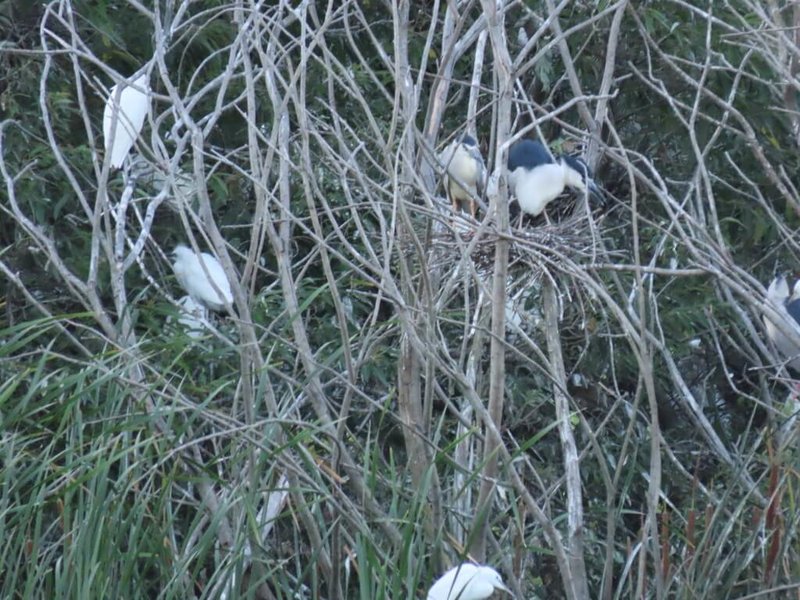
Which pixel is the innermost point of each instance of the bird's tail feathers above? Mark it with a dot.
(778, 290)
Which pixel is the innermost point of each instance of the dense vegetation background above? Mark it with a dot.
(586, 402)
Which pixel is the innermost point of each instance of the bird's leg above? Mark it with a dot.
(452, 198)
(454, 216)
(454, 208)
(473, 208)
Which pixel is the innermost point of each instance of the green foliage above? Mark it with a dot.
(119, 428)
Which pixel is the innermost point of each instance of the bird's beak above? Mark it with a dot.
(596, 195)
(503, 587)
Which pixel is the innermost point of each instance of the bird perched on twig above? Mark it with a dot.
(537, 178)
(123, 117)
(467, 582)
(204, 281)
(778, 293)
(464, 167)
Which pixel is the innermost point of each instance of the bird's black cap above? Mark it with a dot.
(528, 154)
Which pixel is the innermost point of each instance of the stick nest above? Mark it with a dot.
(533, 244)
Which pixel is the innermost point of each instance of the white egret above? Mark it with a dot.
(464, 164)
(537, 178)
(208, 286)
(124, 117)
(467, 582)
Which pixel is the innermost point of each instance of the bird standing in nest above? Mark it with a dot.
(465, 174)
(537, 178)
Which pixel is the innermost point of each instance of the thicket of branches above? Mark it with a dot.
(587, 402)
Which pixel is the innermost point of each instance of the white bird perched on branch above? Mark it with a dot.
(467, 582)
(464, 165)
(537, 178)
(208, 286)
(123, 117)
(778, 293)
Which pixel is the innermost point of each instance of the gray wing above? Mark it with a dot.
(475, 154)
(445, 157)
(793, 308)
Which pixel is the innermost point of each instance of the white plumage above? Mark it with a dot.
(536, 189)
(126, 118)
(537, 178)
(778, 294)
(193, 314)
(467, 582)
(213, 290)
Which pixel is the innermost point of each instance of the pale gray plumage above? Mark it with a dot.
(464, 165)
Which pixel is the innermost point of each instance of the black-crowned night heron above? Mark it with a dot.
(467, 582)
(778, 294)
(210, 287)
(537, 178)
(465, 173)
(123, 117)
